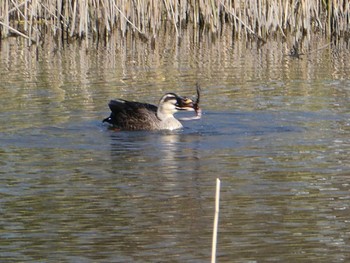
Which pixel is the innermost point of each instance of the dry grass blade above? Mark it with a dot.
(242, 23)
(15, 31)
(131, 23)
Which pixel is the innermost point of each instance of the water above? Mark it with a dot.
(274, 129)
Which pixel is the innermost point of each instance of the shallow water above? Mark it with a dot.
(274, 129)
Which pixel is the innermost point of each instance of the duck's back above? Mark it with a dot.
(130, 115)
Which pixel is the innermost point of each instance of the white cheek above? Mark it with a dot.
(169, 106)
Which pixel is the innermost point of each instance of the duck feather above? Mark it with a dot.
(132, 115)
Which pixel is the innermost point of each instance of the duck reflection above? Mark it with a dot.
(158, 153)
(170, 152)
(157, 174)
(157, 177)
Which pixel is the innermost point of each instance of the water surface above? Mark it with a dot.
(274, 129)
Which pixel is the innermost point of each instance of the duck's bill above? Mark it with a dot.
(186, 104)
(189, 105)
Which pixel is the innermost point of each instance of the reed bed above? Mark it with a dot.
(96, 20)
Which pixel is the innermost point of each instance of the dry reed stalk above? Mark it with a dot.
(14, 30)
(74, 15)
(127, 20)
(216, 221)
(25, 16)
(90, 18)
(6, 18)
(171, 13)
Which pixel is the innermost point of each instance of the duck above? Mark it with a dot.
(132, 115)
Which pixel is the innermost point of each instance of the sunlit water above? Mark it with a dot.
(275, 130)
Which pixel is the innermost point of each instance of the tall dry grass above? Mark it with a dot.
(97, 20)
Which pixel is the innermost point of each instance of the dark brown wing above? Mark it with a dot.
(130, 115)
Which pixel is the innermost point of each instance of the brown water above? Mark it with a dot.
(275, 130)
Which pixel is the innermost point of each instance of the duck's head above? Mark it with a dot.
(171, 103)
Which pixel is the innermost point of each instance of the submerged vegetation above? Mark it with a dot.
(96, 20)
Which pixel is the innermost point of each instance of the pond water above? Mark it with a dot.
(275, 130)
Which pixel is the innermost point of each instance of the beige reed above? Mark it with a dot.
(99, 19)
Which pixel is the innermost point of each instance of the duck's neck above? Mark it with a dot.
(168, 121)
